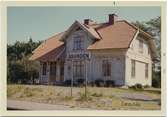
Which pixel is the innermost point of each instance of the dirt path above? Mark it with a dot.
(25, 105)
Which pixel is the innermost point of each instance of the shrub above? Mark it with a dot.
(91, 84)
(80, 82)
(110, 83)
(99, 82)
(83, 97)
(67, 83)
(137, 87)
(97, 94)
(146, 86)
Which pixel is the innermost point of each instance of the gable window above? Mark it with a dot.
(44, 66)
(78, 43)
(106, 68)
(146, 70)
(133, 65)
(141, 46)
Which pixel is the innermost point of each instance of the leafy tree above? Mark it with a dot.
(20, 69)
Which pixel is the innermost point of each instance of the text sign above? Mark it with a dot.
(78, 56)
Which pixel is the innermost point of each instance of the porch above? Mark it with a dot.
(52, 72)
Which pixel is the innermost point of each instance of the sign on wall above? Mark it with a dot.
(78, 56)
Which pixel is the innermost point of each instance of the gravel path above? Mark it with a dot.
(25, 105)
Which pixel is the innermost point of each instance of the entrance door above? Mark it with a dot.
(62, 72)
(52, 72)
(78, 70)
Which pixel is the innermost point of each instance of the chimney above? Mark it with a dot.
(112, 18)
(88, 21)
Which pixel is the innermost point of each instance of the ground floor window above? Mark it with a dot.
(133, 68)
(106, 68)
(146, 70)
(44, 66)
(78, 69)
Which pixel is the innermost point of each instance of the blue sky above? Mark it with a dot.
(43, 22)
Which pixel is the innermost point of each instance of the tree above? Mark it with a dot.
(19, 68)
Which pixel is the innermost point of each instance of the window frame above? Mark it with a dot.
(141, 45)
(133, 68)
(106, 68)
(78, 69)
(146, 70)
(78, 42)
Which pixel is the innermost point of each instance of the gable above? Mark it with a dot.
(89, 30)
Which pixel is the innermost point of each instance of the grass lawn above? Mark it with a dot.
(97, 97)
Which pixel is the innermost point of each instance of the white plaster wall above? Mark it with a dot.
(141, 59)
(117, 59)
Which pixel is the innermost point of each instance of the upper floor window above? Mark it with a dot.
(78, 43)
(44, 66)
(141, 46)
(106, 68)
(133, 68)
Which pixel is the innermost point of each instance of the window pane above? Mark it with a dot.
(106, 68)
(133, 68)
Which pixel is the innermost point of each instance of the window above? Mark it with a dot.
(78, 43)
(53, 68)
(141, 46)
(44, 68)
(146, 70)
(78, 69)
(106, 68)
(133, 65)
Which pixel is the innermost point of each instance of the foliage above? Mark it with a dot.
(19, 68)
(137, 87)
(99, 82)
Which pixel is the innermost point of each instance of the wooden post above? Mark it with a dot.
(71, 77)
(86, 79)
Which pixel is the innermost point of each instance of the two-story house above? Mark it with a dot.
(115, 50)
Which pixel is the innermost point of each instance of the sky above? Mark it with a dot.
(40, 23)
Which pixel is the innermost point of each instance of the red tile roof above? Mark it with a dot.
(47, 46)
(116, 36)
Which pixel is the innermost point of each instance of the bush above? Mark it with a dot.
(109, 83)
(80, 82)
(99, 82)
(137, 87)
(156, 80)
(97, 94)
(67, 83)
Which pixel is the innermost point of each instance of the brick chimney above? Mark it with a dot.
(88, 21)
(112, 18)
